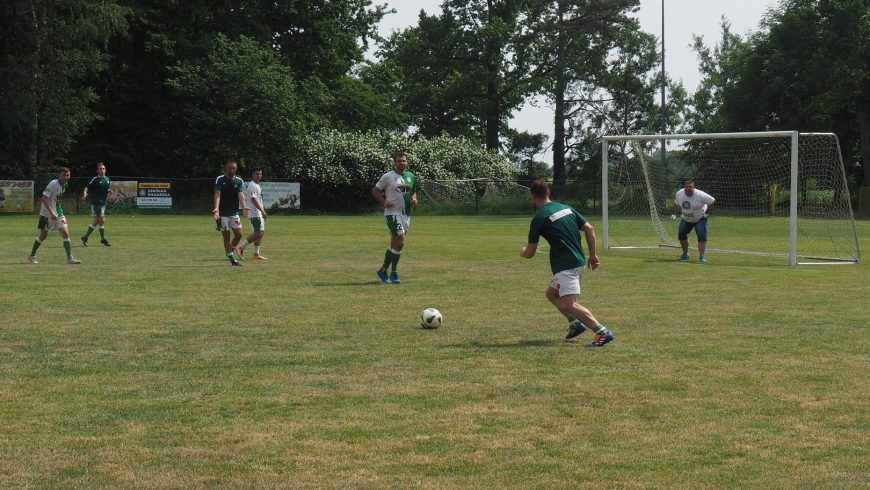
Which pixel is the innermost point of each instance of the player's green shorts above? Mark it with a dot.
(257, 224)
(49, 224)
(398, 223)
(98, 210)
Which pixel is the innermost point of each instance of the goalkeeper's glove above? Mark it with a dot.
(707, 214)
(673, 216)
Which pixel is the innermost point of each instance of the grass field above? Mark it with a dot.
(154, 364)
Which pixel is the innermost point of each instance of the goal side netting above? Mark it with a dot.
(781, 194)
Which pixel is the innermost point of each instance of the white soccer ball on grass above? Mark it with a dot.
(430, 318)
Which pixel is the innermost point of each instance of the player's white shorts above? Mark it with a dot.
(568, 281)
(229, 222)
(398, 223)
(48, 224)
(257, 224)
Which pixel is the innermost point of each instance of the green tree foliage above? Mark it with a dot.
(571, 42)
(462, 72)
(808, 69)
(146, 127)
(47, 51)
(241, 102)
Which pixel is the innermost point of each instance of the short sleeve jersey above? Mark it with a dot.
(560, 225)
(98, 190)
(253, 191)
(398, 190)
(229, 189)
(693, 206)
(53, 191)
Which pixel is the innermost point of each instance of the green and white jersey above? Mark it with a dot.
(229, 188)
(253, 191)
(560, 224)
(398, 190)
(53, 191)
(98, 190)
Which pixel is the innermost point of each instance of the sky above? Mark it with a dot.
(682, 19)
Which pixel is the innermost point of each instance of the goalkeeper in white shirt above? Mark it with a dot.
(693, 205)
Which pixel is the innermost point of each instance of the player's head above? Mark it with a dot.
(63, 175)
(400, 162)
(540, 191)
(257, 174)
(101, 169)
(689, 187)
(231, 167)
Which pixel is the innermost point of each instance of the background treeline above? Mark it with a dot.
(170, 88)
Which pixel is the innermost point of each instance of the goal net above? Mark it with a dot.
(781, 194)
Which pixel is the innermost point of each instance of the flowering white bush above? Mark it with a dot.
(341, 168)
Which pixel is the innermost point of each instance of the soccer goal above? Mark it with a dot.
(780, 193)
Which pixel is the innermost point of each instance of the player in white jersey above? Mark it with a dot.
(256, 215)
(399, 189)
(694, 205)
(51, 216)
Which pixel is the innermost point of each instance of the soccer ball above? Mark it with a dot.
(430, 318)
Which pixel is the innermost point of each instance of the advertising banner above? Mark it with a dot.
(122, 194)
(154, 195)
(280, 195)
(16, 196)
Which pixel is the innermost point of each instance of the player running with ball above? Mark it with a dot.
(561, 226)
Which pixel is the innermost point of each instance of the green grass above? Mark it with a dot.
(154, 364)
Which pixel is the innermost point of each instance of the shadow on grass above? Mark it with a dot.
(521, 343)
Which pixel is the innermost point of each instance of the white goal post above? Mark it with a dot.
(778, 193)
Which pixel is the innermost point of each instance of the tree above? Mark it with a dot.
(462, 72)
(319, 42)
(807, 69)
(238, 102)
(572, 39)
(47, 52)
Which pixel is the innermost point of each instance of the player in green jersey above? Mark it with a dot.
(51, 216)
(561, 225)
(399, 189)
(228, 195)
(99, 191)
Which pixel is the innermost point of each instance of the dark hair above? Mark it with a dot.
(399, 154)
(689, 182)
(539, 189)
(63, 170)
(101, 164)
(257, 169)
(229, 161)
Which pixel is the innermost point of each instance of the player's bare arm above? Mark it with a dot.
(217, 203)
(589, 231)
(243, 202)
(380, 198)
(47, 203)
(529, 250)
(259, 206)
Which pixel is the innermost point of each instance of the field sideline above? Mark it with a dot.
(156, 365)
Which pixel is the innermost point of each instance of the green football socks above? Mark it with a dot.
(395, 261)
(36, 244)
(90, 230)
(388, 259)
(68, 247)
